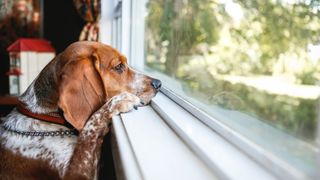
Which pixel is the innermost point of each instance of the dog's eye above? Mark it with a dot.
(119, 68)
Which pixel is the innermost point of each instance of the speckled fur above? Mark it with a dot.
(56, 150)
(91, 137)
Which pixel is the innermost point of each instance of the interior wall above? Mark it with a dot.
(4, 67)
(61, 24)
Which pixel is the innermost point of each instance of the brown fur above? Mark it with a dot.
(32, 168)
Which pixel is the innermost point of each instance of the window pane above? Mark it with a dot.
(252, 64)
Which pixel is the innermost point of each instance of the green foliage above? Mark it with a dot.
(283, 28)
(196, 41)
(183, 25)
(296, 116)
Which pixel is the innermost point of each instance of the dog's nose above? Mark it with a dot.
(156, 84)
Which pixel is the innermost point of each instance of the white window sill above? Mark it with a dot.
(163, 141)
(149, 149)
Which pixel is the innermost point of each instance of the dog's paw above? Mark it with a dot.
(122, 103)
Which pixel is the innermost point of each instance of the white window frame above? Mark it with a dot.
(249, 154)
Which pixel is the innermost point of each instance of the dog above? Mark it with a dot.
(57, 130)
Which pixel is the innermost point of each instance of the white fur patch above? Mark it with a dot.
(138, 83)
(58, 150)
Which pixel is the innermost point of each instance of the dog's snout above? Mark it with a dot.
(156, 84)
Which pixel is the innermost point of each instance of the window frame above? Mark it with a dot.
(132, 33)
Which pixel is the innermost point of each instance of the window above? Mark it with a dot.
(253, 65)
(249, 71)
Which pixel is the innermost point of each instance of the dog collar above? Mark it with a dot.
(70, 132)
(52, 117)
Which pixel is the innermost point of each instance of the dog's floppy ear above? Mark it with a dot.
(81, 91)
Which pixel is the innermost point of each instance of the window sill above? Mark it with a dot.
(163, 141)
(146, 148)
(284, 155)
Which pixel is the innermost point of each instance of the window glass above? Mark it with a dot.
(254, 65)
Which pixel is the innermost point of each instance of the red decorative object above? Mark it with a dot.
(28, 44)
(14, 71)
(27, 58)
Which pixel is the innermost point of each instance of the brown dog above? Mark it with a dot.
(88, 83)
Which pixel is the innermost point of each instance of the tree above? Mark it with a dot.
(183, 25)
(269, 28)
(283, 28)
(271, 34)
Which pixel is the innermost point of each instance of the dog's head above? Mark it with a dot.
(89, 74)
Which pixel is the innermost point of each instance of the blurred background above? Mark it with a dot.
(258, 57)
(56, 21)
